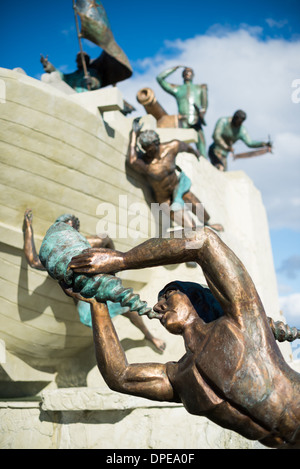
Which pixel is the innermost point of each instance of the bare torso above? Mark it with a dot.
(161, 173)
(237, 386)
(233, 372)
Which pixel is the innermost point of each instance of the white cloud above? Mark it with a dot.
(242, 72)
(290, 307)
(276, 24)
(290, 266)
(284, 289)
(69, 31)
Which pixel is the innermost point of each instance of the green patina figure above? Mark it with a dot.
(191, 101)
(60, 244)
(227, 131)
(111, 67)
(77, 79)
(77, 242)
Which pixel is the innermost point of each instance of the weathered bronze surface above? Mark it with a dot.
(227, 131)
(158, 165)
(84, 78)
(112, 65)
(283, 332)
(233, 371)
(146, 98)
(191, 101)
(72, 225)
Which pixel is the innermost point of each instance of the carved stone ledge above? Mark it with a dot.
(2, 352)
(75, 399)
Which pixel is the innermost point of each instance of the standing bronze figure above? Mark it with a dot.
(191, 101)
(110, 67)
(158, 164)
(80, 80)
(233, 371)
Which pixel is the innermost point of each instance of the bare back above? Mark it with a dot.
(161, 173)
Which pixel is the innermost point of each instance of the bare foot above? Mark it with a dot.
(158, 343)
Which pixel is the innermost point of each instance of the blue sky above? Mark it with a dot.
(34, 27)
(260, 44)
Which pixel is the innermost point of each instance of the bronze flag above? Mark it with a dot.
(95, 27)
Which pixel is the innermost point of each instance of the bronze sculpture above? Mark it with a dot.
(83, 310)
(158, 165)
(146, 97)
(191, 101)
(112, 65)
(79, 80)
(233, 371)
(227, 131)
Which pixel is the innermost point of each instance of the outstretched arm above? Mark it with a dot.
(168, 87)
(185, 147)
(226, 276)
(48, 66)
(132, 155)
(29, 244)
(147, 380)
(245, 137)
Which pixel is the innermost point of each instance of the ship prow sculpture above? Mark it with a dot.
(60, 152)
(67, 152)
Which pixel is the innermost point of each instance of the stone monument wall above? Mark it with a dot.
(66, 153)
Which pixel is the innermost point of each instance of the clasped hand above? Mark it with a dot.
(97, 261)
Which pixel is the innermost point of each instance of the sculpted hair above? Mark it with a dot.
(68, 217)
(187, 69)
(240, 114)
(148, 137)
(205, 304)
(86, 57)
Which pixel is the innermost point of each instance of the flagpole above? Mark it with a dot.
(86, 74)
